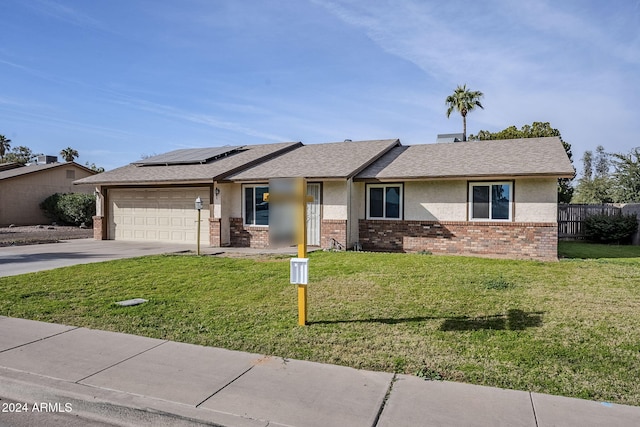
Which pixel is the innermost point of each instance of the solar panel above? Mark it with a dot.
(188, 156)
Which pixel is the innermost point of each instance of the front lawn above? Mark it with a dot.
(570, 328)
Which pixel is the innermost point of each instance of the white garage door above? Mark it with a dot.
(165, 215)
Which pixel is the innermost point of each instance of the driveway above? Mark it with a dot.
(16, 260)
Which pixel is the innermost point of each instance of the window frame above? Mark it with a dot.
(244, 204)
(490, 184)
(384, 186)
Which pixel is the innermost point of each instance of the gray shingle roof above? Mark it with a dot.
(199, 173)
(24, 170)
(331, 160)
(502, 158)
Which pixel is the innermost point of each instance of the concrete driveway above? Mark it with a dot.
(16, 260)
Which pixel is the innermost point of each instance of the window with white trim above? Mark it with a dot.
(384, 201)
(256, 210)
(490, 201)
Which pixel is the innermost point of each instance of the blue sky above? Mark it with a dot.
(120, 79)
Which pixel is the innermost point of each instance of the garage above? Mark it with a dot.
(158, 214)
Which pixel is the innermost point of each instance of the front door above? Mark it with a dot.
(313, 215)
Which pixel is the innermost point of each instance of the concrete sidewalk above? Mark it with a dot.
(119, 379)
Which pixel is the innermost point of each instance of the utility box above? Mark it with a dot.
(299, 271)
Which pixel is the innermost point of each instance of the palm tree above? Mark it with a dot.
(68, 154)
(463, 100)
(4, 147)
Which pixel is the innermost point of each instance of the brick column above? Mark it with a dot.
(99, 229)
(215, 232)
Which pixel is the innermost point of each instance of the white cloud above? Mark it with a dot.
(535, 61)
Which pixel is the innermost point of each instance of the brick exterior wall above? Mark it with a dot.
(242, 236)
(99, 230)
(333, 228)
(504, 239)
(215, 232)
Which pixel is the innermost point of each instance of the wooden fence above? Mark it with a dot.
(571, 218)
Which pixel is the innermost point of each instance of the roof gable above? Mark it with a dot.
(497, 158)
(34, 168)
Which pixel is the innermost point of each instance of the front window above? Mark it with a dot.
(256, 210)
(490, 201)
(384, 201)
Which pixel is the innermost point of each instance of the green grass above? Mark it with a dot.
(570, 328)
(595, 251)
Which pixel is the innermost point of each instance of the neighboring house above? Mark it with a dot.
(23, 188)
(490, 198)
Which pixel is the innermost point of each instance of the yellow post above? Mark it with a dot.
(302, 246)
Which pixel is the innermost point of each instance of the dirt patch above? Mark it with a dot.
(34, 234)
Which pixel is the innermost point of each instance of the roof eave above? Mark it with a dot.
(464, 177)
(206, 181)
(308, 178)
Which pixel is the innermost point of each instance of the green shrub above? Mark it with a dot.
(602, 228)
(70, 208)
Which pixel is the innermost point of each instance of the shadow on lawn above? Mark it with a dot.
(514, 320)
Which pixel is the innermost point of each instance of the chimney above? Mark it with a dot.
(45, 160)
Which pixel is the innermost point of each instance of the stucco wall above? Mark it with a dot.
(357, 211)
(20, 197)
(435, 201)
(223, 209)
(334, 200)
(234, 202)
(535, 200)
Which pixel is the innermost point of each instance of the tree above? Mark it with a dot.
(602, 165)
(587, 165)
(4, 147)
(595, 184)
(93, 167)
(21, 154)
(626, 178)
(535, 130)
(69, 154)
(463, 100)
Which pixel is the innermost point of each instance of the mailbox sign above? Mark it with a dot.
(299, 271)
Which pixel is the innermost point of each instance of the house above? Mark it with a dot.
(488, 198)
(23, 188)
